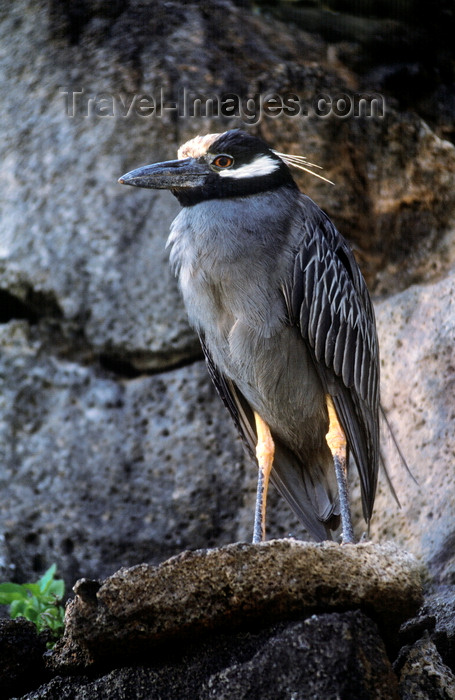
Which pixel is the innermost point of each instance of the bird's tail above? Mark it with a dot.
(311, 492)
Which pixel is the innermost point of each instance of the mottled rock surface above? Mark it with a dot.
(145, 608)
(416, 330)
(424, 675)
(97, 473)
(437, 617)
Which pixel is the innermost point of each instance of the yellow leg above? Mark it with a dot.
(265, 452)
(336, 441)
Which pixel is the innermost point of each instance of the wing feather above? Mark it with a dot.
(336, 318)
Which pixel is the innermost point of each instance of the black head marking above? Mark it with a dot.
(255, 168)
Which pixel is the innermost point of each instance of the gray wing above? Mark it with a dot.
(237, 405)
(326, 296)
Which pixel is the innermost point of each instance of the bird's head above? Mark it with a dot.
(231, 164)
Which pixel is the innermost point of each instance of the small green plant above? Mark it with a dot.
(37, 602)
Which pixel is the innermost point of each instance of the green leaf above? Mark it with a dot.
(46, 579)
(53, 618)
(10, 592)
(37, 601)
(10, 587)
(57, 589)
(18, 608)
(37, 604)
(24, 611)
(33, 588)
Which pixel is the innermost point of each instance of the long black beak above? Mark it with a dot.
(171, 175)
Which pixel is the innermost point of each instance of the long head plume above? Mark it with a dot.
(301, 163)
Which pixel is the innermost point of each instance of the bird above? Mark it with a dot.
(285, 320)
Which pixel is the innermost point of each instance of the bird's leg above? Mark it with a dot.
(336, 441)
(265, 452)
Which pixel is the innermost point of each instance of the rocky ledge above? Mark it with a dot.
(277, 620)
(240, 586)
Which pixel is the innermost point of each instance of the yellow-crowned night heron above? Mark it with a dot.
(285, 321)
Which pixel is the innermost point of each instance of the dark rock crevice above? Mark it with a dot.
(31, 306)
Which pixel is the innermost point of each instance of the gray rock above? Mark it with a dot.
(437, 618)
(97, 473)
(6, 567)
(424, 675)
(441, 605)
(416, 332)
(338, 655)
(308, 661)
(140, 610)
(72, 242)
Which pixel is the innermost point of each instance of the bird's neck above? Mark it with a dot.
(217, 233)
(228, 188)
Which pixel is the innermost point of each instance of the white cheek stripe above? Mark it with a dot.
(263, 165)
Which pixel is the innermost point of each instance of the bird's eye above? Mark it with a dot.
(223, 161)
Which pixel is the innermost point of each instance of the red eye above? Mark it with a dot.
(223, 161)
